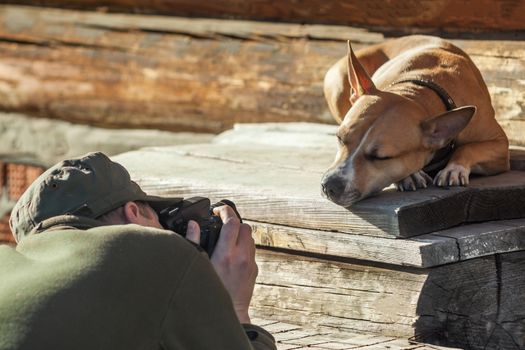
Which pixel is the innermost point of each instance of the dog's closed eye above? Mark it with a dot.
(375, 156)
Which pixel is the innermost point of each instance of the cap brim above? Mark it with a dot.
(159, 203)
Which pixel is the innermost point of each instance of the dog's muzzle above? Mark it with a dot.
(334, 188)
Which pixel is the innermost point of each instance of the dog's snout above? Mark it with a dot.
(333, 187)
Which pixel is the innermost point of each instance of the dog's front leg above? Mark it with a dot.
(453, 175)
(417, 180)
(484, 158)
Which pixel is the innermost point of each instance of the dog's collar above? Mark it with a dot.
(442, 156)
(440, 159)
(443, 95)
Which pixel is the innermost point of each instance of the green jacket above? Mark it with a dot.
(79, 286)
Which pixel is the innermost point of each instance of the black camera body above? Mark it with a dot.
(176, 217)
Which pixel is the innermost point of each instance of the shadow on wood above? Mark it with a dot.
(477, 304)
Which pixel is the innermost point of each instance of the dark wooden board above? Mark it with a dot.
(517, 158)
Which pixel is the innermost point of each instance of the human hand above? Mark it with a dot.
(233, 258)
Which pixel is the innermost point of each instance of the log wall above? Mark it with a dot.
(179, 74)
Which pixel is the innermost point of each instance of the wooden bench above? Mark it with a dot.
(422, 265)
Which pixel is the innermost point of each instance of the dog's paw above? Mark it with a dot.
(452, 175)
(414, 181)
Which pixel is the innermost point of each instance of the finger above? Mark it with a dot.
(193, 232)
(245, 239)
(224, 212)
(246, 250)
(230, 227)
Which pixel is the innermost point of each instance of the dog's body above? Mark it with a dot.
(393, 124)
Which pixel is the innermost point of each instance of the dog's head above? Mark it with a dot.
(384, 138)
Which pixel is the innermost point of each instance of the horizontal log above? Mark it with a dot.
(470, 305)
(48, 141)
(178, 74)
(435, 14)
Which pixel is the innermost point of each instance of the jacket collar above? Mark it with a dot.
(66, 221)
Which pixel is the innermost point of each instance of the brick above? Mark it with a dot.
(32, 173)
(16, 180)
(2, 177)
(5, 231)
(19, 177)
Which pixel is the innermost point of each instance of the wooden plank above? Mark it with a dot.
(517, 158)
(475, 304)
(195, 74)
(439, 248)
(327, 295)
(437, 14)
(512, 300)
(422, 251)
(487, 238)
(287, 191)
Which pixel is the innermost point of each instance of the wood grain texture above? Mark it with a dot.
(439, 248)
(337, 296)
(289, 336)
(517, 158)
(120, 70)
(280, 185)
(465, 305)
(440, 14)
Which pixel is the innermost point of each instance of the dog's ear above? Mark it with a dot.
(359, 79)
(440, 130)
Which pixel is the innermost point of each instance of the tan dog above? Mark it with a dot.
(402, 124)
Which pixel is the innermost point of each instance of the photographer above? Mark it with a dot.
(94, 269)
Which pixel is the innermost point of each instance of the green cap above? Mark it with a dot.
(89, 186)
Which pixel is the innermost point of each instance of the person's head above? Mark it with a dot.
(133, 212)
(91, 186)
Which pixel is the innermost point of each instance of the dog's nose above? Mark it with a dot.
(332, 187)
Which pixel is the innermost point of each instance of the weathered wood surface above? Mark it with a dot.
(289, 336)
(280, 185)
(439, 248)
(517, 158)
(436, 14)
(48, 141)
(476, 304)
(194, 74)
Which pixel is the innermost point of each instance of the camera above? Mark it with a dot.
(176, 217)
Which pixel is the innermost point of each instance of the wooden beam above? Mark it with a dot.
(281, 185)
(517, 158)
(435, 14)
(439, 248)
(475, 304)
(177, 74)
